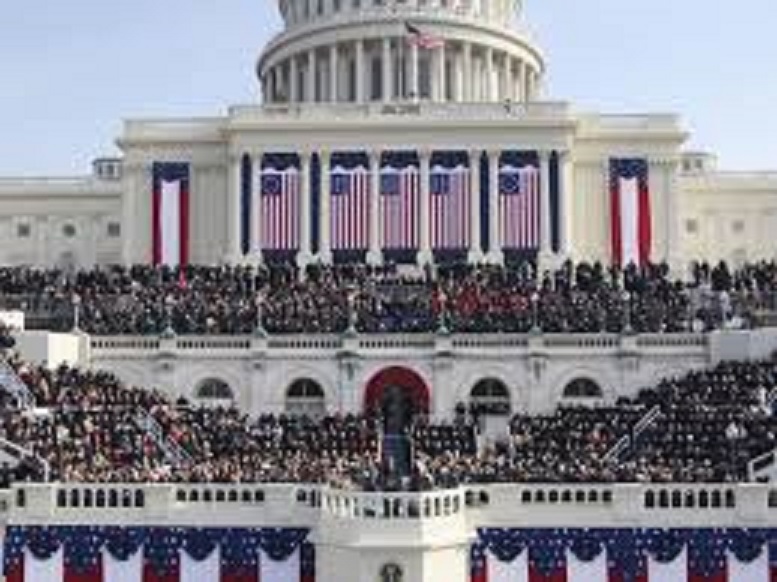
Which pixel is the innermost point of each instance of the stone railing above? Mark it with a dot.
(112, 346)
(393, 506)
(508, 505)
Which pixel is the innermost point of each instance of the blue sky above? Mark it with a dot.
(71, 71)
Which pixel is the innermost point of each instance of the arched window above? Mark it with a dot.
(582, 388)
(305, 397)
(491, 396)
(214, 390)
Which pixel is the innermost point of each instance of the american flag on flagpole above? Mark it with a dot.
(449, 205)
(400, 204)
(350, 208)
(422, 39)
(280, 209)
(519, 207)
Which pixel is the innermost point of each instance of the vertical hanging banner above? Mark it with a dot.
(400, 205)
(350, 208)
(170, 214)
(519, 204)
(630, 211)
(449, 207)
(280, 209)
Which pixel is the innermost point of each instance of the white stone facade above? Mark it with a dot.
(536, 371)
(342, 76)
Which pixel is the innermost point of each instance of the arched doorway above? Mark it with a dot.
(214, 392)
(490, 397)
(582, 388)
(490, 406)
(398, 395)
(305, 397)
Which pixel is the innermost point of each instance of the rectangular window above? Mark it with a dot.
(114, 230)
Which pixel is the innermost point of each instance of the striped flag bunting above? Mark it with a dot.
(519, 207)
(116, 554)
(279, 209)
(350, 208)
(624, 555)
(630, 212)
(400, 207)
(450, 195)
(170, 214)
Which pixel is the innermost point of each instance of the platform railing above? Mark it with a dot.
(530, 505)
(190, 344)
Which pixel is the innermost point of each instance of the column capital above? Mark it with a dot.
(374, 155)
(424, 155)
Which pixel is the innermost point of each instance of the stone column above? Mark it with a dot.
(334, 85)
(566, 195)
(674, 254)
(439, 81)
(522, 81)
(475, 248)
(489, 75)
(310, 78)
(425, 255)
(458, 76)
(324, 221)
(293, 80)
(387, 73)
(234, 253)
(509, 81)
(129, 188)
(468, 89)
(546, 253)
(413, 85)
(374, 254)
(256, 214)
(495, 242)
(359, 71)
(305, 255)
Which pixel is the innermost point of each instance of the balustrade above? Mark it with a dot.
(528, 505)
(105, 346)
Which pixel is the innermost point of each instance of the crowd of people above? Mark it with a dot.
(88, 427)
(581, 297)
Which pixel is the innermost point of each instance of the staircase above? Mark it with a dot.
(11, 383)
(174, 453)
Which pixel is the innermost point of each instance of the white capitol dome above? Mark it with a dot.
(360, 51)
